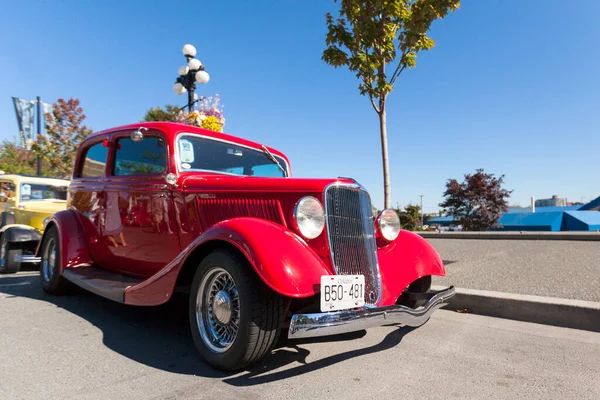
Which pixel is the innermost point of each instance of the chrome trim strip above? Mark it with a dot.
(359, 187)
(26, 259)
(335, 323)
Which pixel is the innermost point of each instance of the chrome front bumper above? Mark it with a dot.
(334, 323)
(26, 259)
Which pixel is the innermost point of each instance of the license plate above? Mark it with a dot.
(341, 292)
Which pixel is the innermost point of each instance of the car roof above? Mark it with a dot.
(35, 179)
(172, 129)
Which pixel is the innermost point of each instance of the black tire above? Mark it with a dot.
(8, 251)
(51, 280)
(260, 312)
(421, 285)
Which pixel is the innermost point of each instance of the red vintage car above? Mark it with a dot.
(163, 207)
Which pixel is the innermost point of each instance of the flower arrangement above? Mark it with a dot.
(207, 114)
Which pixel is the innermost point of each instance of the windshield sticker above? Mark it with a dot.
(186, 165)
(26, 190)
(235, 152)
(187, 151)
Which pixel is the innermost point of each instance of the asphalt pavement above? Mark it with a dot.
(85, 347)
(552, 268)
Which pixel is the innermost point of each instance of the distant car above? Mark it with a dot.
(26, 203)
(165, 207)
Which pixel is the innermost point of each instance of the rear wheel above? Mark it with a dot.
(51, 279)
(8, 251)
(234, 317)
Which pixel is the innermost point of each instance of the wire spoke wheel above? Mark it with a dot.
(218, 310)
(235, 318)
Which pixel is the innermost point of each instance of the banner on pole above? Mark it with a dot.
(25, 118)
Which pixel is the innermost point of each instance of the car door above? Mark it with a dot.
(86, 192)
(139, 226)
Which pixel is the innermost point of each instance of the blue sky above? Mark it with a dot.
(512, 86)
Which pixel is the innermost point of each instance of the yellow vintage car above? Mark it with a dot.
(26, 203)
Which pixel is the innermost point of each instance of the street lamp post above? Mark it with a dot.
(422, 219)
(39, 132)
(190, 74)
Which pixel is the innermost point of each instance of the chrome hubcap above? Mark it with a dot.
(222, 307)
(49, 260)
(218, 310)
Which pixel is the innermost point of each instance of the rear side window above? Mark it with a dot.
(94, 161)
(139, 158)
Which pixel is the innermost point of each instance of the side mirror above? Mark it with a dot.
(138, 135)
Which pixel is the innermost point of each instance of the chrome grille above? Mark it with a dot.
(352, 235)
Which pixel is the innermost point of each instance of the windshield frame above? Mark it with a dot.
(282, 160)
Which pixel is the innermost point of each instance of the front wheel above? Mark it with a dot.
(8, 251)
(234, 317)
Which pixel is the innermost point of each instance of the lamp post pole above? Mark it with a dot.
(189, 75)
(39, 132)
(422, 219)
(190, 99)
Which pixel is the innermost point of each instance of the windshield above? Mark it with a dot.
(38, 191)
(202, 154)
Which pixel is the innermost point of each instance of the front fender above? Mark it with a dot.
(73, 245)
(20, 233)
(280, 258)
(405, 260)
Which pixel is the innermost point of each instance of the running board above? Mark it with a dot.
(104, 283)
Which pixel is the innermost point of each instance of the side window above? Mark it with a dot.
(135, 158)
(7, 192)
(94, 161)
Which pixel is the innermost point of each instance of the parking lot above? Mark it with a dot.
(552, 268)
(85, 347)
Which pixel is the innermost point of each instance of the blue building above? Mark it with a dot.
(556, 218)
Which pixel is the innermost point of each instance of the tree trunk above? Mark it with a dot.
(384, 158)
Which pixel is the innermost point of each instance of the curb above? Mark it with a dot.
(581, 236)
(575, 314)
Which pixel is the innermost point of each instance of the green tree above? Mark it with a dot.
(371, 34)
(168, 113)
(64, 133)
(478, 202)
(410, 217)
(15, 160)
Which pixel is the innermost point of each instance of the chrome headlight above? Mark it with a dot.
(388, 224)
(310, 217)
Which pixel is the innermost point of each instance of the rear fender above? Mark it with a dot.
(280, 258)
(405, 260)
(73, 244)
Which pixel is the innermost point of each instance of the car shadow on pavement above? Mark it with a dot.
(160, 337)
